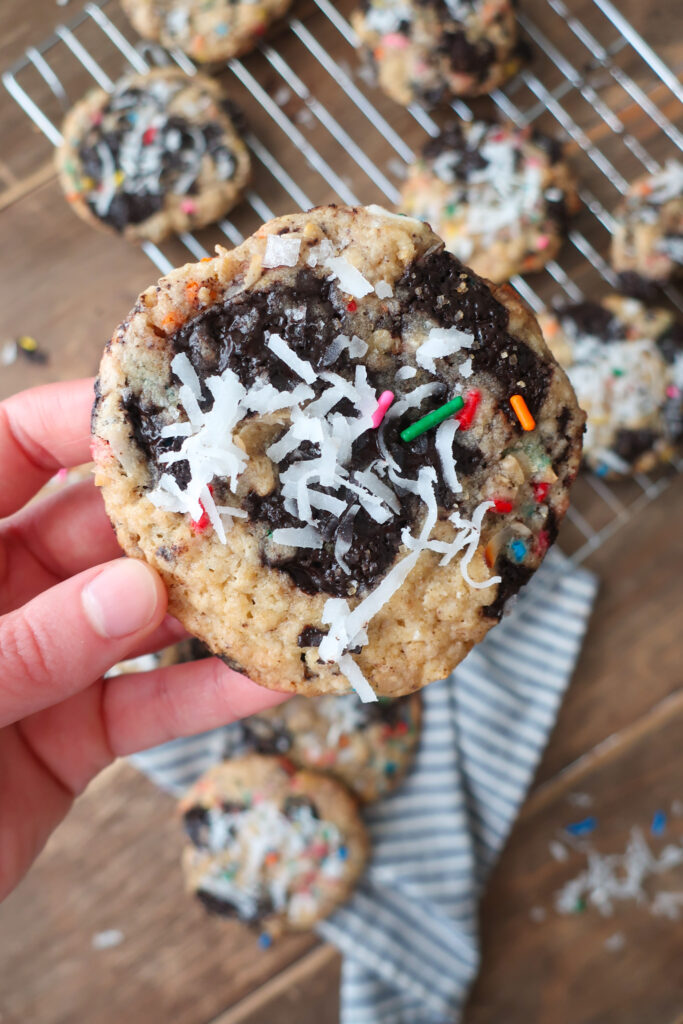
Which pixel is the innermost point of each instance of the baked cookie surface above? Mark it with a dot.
(499, 196)
(430, 50)
(277, 849)
(241, 450)
(161, 154)
(207, 30)
(647, 244)
(368, 747)
(625, 361)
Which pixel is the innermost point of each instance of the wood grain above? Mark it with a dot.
(114, 863)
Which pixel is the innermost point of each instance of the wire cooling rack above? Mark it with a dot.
(603, 88)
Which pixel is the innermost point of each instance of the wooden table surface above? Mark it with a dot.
(114, 863)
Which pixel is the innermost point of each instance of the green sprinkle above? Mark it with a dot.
(579, 906)
(432, 419)
(616, 372)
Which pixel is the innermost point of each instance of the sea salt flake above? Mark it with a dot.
(281, 251)
(383, 290)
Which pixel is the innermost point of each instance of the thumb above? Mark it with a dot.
(67, 637)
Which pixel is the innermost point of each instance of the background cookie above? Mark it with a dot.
(161, 154)
(647, 245)
(369, 747)
(330, 551)
(626, 364)
(279, 850)
(499, 196)
(207, 30)
(430, 50)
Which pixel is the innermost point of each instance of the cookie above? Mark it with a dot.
(647, 244)
(277, 849)
(161, 154)
(207, 30)
(499, 196)
(432, 50)
(626, 364)
(306, 532)
(368, 747)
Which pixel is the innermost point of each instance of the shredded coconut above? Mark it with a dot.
(441, 342)
(350, 279)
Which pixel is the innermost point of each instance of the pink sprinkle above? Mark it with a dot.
(96, 117)
(187, 206)
(542, 242)
(383, 403)
(62, 473)
(672, 391)
(395, 40)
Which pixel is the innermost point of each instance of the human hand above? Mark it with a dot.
(70, 608)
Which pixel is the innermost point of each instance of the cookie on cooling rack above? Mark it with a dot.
(278, 849)
(626, 364)
(432, 50)
(161, 154)
(241, 450)
(647, 245)
(207, 30)
(499, 196)
(368, 747)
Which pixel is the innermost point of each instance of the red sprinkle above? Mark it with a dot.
(466, 414)
(541, 491)
(502, 505)
(352, 306)
(542, 542)
(149, 136)
(201, 524)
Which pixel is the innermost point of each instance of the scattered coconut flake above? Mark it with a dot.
(350, 279)
(443, 442)
(8, 353)
(465, 368)
(379, 211)
(281, 251)
(356, 348)
(281, 349)
(558, 850)
(615, 943)
(357, 679)
(344, 536)
(580, 799)
(405, 372)
(383, 290)
(298, 537)
(441, 342)
(108, 939)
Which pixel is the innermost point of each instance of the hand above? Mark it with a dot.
(70, 608)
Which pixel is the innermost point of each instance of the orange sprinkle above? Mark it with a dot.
(378, 53)
(191, 290)
(206, 259)
(343, 740)
(272, 858)
(522, 413)
(171, 320)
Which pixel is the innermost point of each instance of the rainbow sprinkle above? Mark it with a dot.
(383, 403)
(432, 419)
(521, 411)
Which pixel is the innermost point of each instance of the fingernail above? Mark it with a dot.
(122, 599)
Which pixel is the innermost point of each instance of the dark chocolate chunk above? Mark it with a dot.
(630, 282)
(513, 578)
(264, 736)
(670, 342)
(594, 320)
(222, 908)
(310, 636)
(294, 805)
(452, 140)
(630, 444)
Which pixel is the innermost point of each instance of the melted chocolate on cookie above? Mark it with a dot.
(308, 315)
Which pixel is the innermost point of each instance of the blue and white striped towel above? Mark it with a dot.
(409, 933)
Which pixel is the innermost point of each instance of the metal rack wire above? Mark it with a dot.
(611, 100)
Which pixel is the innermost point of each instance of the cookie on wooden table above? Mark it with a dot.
(260, 439)
(433, 50)
(625, 361)
(278, 849)
(158, 155)
(499, 196)
(207, 30)
(368, 747)
(647, 245)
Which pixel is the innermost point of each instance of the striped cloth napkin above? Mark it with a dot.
(409, 933)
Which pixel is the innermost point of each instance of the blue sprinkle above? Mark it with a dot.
(132, 116)
(343, 853)
(518, 549)
(221, 29)
(658, 826)
(583, 827)
(601, 470)
(265, 940)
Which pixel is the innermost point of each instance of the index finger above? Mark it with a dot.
(41, 430)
